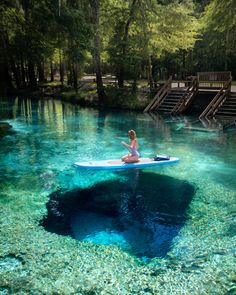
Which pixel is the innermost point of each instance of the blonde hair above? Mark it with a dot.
(132, 134)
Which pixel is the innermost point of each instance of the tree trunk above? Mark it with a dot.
(13, 67)
(121, 70)
(40, 67)
(6, 85)
(94, 4)
(75, 77)
(32, 77)
(22, 71)
(149, 73)
(61, 69)
(134, 86)
(183, 64)
(69, 74)
(51, 72)
(226, 51)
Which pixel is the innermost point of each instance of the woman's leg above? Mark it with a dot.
(131, 159)
(125, 157)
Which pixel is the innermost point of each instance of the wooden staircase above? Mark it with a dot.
(160, 95)
(171, 100)
(228, 107)
(217, 101)
(174, 100)
(174, 97)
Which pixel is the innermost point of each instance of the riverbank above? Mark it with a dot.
(127, 98)
(86, 95)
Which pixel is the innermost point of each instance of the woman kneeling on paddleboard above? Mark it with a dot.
(133, 155)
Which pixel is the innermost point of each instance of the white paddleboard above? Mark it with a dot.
(118, 164)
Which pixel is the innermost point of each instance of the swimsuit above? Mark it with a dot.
(134, 152)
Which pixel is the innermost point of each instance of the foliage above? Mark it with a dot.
(130, 39)
(220, 15)
(154, 29)
(219, 21)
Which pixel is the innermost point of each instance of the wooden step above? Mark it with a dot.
(232, 114)
(173, 97)
(233, 105)
(177, 91)
(231, 99)
(175, 94)
(228, 106)
(166, 106)
(165, 109)
(170, 101)
(227, 109)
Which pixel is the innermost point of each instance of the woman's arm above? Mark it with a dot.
(125, 144)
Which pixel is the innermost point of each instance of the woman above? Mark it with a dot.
(133, 155)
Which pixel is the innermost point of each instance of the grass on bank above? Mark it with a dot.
(124, 98)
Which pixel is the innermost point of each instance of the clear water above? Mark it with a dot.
(179, 220)
(141, 214)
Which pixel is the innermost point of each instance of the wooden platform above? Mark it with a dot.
(175, 96)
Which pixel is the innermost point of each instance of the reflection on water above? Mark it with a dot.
(51, 135)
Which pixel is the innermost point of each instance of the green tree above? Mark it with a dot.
(10, 19)
(145, 28)
(96, 47)
(220, 26)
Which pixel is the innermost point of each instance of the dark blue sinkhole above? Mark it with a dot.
(141, 215)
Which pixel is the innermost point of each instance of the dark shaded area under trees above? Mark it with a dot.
(56, 40)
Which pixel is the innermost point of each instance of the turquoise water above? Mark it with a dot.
(141, 214)
(159, 231)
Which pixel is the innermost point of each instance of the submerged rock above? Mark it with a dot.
(5, 129)
(4, 126)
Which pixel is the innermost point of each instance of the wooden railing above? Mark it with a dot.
(213, 80)
(217, 101)
(187, 97)
(159, 96)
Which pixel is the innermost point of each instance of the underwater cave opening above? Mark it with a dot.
(142, 214)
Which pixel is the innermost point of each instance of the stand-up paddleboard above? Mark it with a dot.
(118, 164)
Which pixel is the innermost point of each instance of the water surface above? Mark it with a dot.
(165, 229)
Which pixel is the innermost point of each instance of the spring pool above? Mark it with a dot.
(169, 230)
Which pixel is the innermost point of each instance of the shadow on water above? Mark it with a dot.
(141, 214)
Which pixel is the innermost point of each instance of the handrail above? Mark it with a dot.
(213, 80)
(159, 95)
(214, 76)
(223, 98)
(217, 100)
(190, 91)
